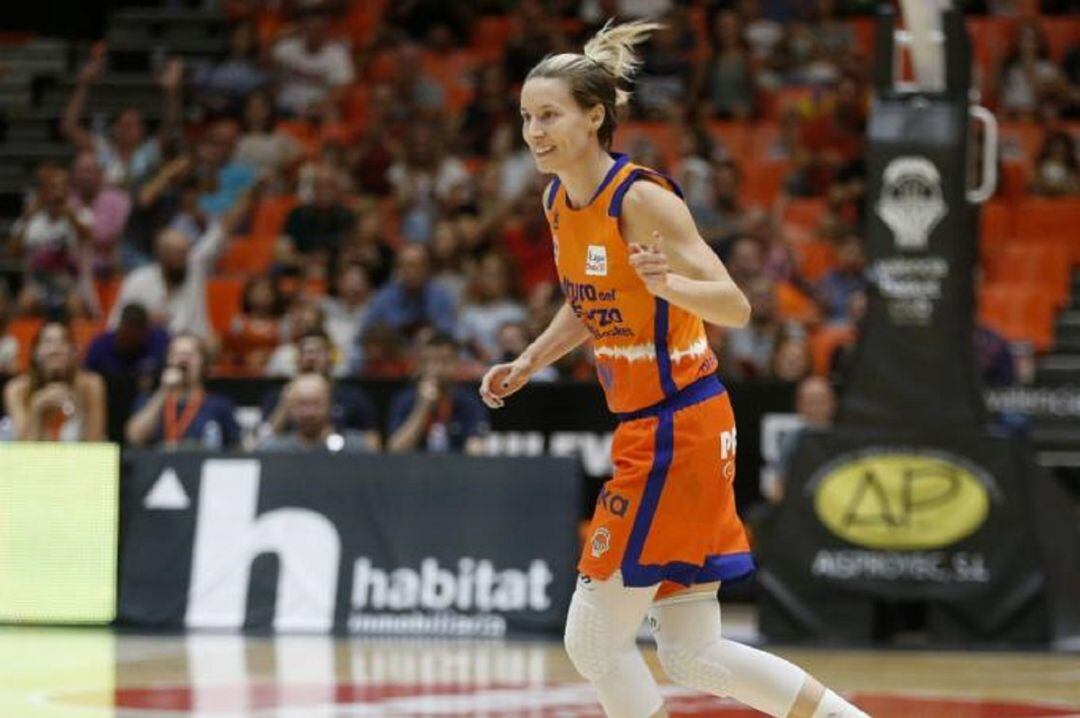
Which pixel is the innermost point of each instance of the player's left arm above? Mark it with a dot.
(673, 260)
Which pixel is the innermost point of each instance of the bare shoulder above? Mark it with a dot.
(647, 206)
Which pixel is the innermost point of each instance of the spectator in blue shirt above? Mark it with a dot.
(436, 415)
(835, 289)
(222, 178)
(412, 300)
(135, 347)
(181, 413)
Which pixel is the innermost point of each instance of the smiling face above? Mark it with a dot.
(54, 352)
(557, 130)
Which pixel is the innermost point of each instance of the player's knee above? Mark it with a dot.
(587, 642)
(700, 667)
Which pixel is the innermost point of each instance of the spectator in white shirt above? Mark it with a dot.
(313, 71)
(173, 287)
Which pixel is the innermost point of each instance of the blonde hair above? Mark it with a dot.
(594, 76)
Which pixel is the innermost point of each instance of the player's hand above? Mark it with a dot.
(502, 380)
(651, 264)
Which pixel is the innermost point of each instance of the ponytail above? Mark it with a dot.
(599, 74)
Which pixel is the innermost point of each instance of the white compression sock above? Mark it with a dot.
(694, 653)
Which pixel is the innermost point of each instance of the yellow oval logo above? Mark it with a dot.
(901, 501)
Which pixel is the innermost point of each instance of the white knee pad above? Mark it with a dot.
(603, 620)
(688, 642)
(601, 628)
(588, 640)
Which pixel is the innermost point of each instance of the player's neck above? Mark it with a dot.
(584, 179)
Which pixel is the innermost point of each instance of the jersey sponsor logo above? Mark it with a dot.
(596, 261)
(616, 504)
(902, 500)
(600, 542)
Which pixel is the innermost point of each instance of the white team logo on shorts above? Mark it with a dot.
(596, 261)
(600, 543)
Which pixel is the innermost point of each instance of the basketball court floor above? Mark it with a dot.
(96, 673)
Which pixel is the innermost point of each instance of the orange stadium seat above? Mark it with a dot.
(767, 143)
(1037, 264)
(1062, 33)
(737, 138)
(490, 35)
(1019, 312)
(816, 257)
(662, 135)
(863, 30)
(83, 332)
(824, 341)
(793, 305)
(763, 181)
(270, 215)
(453, 72)
(1042, 218)
(997, 226)
(24, 329)
(223, 300)
(107, 291)
(805, 213)
(248, 255)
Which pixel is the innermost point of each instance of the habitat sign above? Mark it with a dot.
(402, 545)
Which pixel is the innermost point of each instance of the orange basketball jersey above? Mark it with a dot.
(646, 350)
(667, 516)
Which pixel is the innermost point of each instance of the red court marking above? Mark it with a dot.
(566, 700)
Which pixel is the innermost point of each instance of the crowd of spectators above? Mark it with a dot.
(409, 239)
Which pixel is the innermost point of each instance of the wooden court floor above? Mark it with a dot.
(93, 673)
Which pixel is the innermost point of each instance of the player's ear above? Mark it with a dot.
(596, 117)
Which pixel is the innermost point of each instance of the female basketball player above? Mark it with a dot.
(639, 282)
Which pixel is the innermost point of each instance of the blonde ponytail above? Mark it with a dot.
(594, 77)
(612, 48)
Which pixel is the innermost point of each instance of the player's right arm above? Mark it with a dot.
(563, 335)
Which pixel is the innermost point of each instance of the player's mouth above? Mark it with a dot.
(543, 151)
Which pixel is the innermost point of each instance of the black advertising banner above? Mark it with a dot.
(448, 545)
(964, 522)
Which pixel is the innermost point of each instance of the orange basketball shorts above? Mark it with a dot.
(667, 515)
